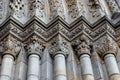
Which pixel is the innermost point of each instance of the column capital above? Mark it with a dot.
(10, 46)
(106, 45)
(83, 46)
(59, 46)
(34, 46)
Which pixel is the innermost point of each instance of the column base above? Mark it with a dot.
(88, 77)
(115, 77)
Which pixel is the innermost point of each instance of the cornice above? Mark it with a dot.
(58, 26)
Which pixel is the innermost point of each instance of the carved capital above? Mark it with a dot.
(59, 46)
(106, 45)
(34, 46)
(10, 46)
(83, 46)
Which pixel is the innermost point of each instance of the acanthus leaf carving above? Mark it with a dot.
(59, 46)
(34, 46)
(106, 45)
(83, 46)
(11, 46)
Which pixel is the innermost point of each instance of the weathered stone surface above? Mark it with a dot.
(59, 39)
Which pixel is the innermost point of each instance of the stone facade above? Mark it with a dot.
(59, 40)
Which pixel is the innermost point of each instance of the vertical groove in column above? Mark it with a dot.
(6, 68)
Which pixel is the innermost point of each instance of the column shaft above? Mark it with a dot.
(33, 67)
(112, 67)
(59, 67)
(6, 68)
(86, 67)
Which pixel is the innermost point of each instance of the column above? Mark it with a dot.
(59, 67)
(59, 51)
(6, 68)
(33, 67)
(83, 51)
(111, 66)
(34, 51)
(8, 57)
(86, 67)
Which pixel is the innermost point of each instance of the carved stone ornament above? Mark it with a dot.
(106, 45)
(83, 46)
(34, 46)
(113, 8)
(37, 5)
(1, 9)
(18, 8)
(56, 8)
(11, 46)
(93, 7)
(72, 8)
(58, 46)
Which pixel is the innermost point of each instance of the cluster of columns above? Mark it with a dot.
(34, 50)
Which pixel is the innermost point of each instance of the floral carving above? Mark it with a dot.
(72, 8)
(37, 6)
(56, 8)
(93, 7)
(59, 46)
(106, 45)
(11, 46)
(34, 46)
(18, 8)
(83, 46)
